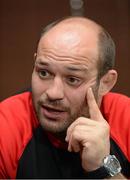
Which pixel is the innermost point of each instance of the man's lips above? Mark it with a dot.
(52, 113)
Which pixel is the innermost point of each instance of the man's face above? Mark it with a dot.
(63, 71)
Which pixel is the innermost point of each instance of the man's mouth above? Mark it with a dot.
(53, 109)
(52, 112)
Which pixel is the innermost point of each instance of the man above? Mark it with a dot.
(69, 126)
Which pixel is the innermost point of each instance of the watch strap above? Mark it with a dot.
(99, 173)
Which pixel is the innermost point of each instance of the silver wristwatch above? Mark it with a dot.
(112, 165)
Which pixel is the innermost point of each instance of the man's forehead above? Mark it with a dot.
(74, 25)
(66, 65)
(70, 38)
(69, 41)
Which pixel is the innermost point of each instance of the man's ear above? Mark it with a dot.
(107, 82)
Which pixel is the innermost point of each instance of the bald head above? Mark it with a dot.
(74, 31)
(75, 22)
(79, 32)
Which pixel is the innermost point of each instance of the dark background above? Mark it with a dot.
(20, 26)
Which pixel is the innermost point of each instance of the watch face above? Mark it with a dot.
(112, 164)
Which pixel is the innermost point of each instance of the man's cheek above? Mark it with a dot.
(77, 108)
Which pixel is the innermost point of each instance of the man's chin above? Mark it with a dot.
(53, 125)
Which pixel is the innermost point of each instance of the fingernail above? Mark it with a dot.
(66, 139)
(69, 148)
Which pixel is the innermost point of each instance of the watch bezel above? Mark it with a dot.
(112, 165)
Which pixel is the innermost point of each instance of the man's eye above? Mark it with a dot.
(44, 73)
(73, 81)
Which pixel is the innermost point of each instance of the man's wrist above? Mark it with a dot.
(109, 168)
(100, 173)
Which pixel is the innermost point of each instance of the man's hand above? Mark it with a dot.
(90, 136)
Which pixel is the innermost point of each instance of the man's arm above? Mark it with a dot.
(91, 138)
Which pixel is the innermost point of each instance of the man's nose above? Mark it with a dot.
(56, 89)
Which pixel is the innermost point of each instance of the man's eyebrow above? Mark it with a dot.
(80, 68)
(76, 68)
(39, 62)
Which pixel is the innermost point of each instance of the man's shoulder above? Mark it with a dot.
(17, 112)
(18, 98)
(113, 95)
(116, 106)
(17, 121)
(116, 110)
(115, 99)
(17, 106)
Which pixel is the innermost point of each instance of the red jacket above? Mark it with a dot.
(18, 122)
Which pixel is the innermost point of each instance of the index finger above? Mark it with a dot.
(94, 110)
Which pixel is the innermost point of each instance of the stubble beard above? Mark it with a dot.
(57, 126)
